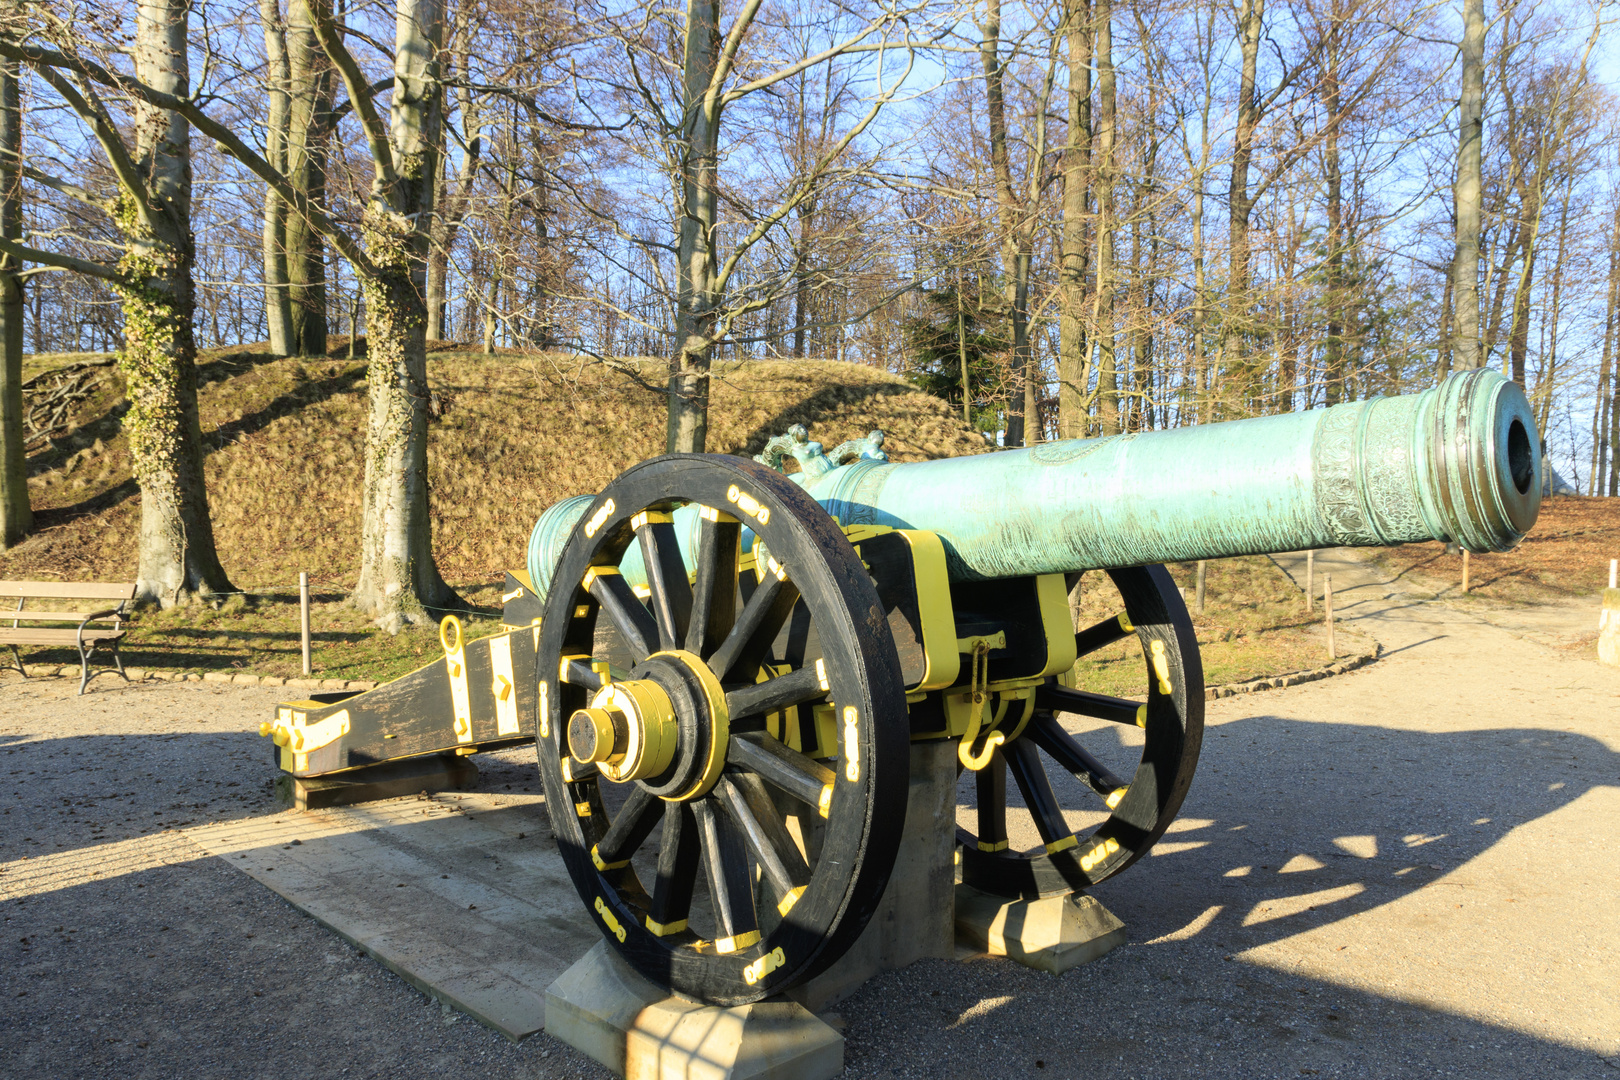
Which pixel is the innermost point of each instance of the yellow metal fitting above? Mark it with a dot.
(664, 929)
(1116, 796)
(1062, 844)
(736, 944)
(583, 809)
(594, 572)
(601, 515)
(649, 517)
(608, 920)
(785, 905)
(1161, 665)
(999, 845)
(1125, 622)
(596, 858)
(825, 802)
(265, 728)
(764, 966)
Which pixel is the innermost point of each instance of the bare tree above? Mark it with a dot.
(16, 514)
(153, 279)
(1467, 347)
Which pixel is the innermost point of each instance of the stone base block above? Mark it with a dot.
(604, 1009)
(389, 780)
(1054, 933)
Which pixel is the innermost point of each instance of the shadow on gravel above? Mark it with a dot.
(1292, 825)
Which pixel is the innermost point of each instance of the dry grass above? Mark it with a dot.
(1253, 625)
(284, 439)
(1565, 555)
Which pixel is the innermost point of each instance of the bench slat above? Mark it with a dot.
(50, 616)
(69, 590)
(29, 635)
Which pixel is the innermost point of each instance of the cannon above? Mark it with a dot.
(725, 667)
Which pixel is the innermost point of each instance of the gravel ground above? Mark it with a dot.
(1403, 872)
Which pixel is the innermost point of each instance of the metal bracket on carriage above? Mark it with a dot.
(798, 445)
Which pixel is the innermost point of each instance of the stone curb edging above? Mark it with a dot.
(1277, 682)
(36, 671)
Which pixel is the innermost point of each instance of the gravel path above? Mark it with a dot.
(1404, 871)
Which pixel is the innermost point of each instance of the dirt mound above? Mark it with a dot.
(513, 433)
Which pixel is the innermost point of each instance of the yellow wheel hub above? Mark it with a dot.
(629, 731)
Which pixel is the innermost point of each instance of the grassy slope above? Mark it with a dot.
(518, 432)
(1566, 555)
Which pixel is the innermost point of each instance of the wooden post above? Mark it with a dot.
(1200, 597)
(303, 614)
(1327, 611)
(1310, 581)
(1465, 571)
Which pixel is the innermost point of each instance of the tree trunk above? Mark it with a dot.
(1547, 383)
(277, 306)
(1235, 325)
(696, 291)
(399, 581)
(454, 208)
(16, 513)
(177, 560)
(1601, 447)
(1467, 193)
(1108, 412)
(1073, 374)
(1015, 257)
(1333, 346)
(308, 130)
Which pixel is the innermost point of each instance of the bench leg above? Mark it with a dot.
(16, 658)
(119, 661)
(84, 666)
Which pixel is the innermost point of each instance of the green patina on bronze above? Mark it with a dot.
(1460, 462)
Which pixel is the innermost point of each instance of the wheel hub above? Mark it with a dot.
(629, 730)
(667, 727)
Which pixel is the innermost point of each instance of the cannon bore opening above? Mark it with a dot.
(1519, 457)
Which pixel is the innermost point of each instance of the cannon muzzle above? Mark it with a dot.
(1460, 462)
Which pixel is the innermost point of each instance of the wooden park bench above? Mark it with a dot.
(96, 629)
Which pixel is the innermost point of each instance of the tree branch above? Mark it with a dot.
(24, 253)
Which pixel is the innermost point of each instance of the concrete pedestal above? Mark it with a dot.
(1054, 933)
(1608, 646)
(605, 1010)
(913, 920)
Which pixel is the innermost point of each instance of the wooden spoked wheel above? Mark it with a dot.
(731, 867)
(1140, 804)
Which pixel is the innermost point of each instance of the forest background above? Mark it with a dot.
(1067, 219)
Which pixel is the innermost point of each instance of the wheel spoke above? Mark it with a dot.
(745, 799)
(678, 856)
(1036, 789)
(731, 886)
(670, 594)
(798, 775)
(714, 590)
(774, 695)
(630, 617)
(756, 627)
(634, 823)
(1098, 706)
(990, 792)
(579, 673)
(1106, 632)
(1049, 735)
